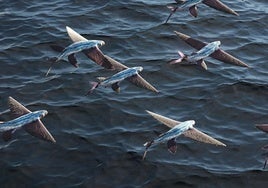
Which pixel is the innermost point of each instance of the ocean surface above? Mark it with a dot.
(100, 137)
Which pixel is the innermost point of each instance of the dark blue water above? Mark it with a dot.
(100, 137)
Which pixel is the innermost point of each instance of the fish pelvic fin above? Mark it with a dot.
(116, 87)
(172, 146)
(202, 64)
(193, 11)
(94, 86)
(182, 57)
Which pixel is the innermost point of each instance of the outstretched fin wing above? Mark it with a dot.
(218, 54)
(36, 128)
(263, 127)
(166, 121)
(141, 82)
(227, 58)
(16, 108)
(95, 54)
(195, 134)
(218, 5)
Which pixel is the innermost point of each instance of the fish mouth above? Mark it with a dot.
(218, 43)
(102, 43)
(44, 113)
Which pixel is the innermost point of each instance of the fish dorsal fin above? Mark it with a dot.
(193, 11)
(38, 129)
(167, 121)
(16, 108)
(116, 87)
(172, 146)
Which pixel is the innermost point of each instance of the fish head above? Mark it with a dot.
(41, 113)
(217, 44)
(100, 43)
(190, 123)
(139, 69)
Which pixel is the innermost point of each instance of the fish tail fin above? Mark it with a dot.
(147, 145)
(265, 163)
(94, 86)
(182, 57)
(53, 60)
(144, 155)
(172, 9)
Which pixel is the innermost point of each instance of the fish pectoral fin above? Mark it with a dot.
(116, 87)
(16, 108)
(165, 120)
(197, 135)
(38, 130)
(193, 11)
(203, 64)
(172, 146)
(7, 135)
(72, 60)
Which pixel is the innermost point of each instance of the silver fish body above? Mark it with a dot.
(121, 76)
(79, 46)
(22, 120)
(175, 131)
(204, 52)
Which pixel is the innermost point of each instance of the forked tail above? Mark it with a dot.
(53, 60)
(172, 9)
(147, 145)
(94, 86)
(182, 57)
(265, 163)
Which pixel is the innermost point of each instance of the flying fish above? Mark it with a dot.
(192, 5)
(176, 129)
(24, 118)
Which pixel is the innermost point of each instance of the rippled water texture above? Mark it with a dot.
(100, 137)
